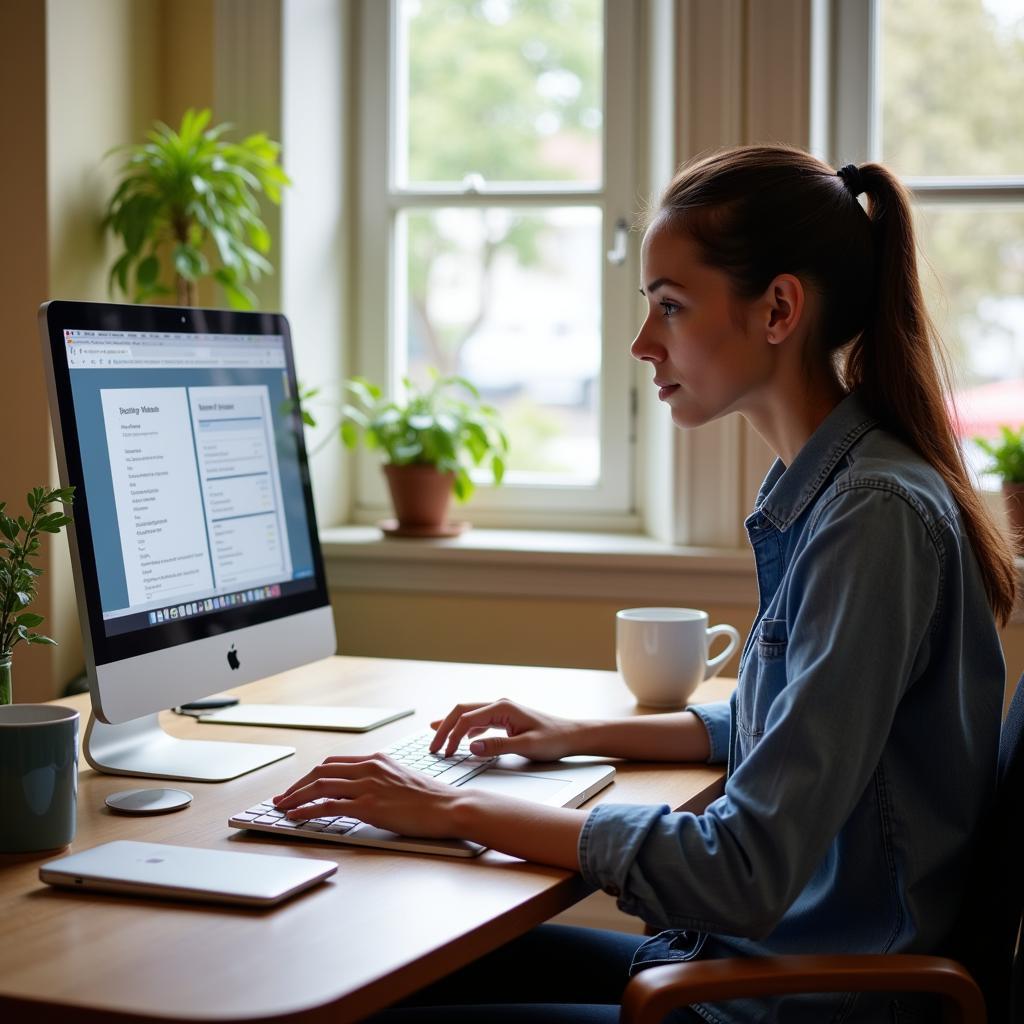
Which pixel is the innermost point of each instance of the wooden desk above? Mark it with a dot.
(382, 927)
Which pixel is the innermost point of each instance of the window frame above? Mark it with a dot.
(854, 133)
(612, 502)
(699, 83)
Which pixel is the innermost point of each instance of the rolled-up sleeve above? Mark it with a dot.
(609, 842)
(717, 719)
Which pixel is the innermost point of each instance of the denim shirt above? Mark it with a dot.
(861, 739)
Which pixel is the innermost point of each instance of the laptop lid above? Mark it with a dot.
(184, 872)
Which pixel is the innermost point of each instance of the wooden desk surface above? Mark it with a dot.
(383, 926)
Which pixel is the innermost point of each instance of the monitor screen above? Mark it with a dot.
(193, 509)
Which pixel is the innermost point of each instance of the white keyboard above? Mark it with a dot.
(413, 752)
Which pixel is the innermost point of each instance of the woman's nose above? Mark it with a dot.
(642, 347)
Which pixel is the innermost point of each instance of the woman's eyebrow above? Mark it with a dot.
(656, 284)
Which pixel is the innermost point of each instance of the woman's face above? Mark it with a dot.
(707, 355)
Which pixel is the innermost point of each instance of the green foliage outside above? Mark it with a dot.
(473, 85)
(534, 428)
(952, 89)
(19, 544)
(188, 207)
(444, 424)
(1007, 454)
(482, 76)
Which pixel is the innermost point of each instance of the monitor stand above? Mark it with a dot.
(141, 747)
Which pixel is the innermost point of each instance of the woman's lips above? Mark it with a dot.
(665, 390)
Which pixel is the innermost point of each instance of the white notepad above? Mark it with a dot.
(302, 716)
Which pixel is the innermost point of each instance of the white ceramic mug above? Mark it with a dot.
(662, 653)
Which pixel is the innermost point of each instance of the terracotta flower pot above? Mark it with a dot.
(1014, 495)
(420, 496)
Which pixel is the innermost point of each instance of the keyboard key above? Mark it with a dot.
(341, 826)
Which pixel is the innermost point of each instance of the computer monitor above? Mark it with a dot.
(194, 545)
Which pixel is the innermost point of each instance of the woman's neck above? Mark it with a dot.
(787, 417)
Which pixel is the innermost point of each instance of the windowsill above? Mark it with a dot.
(541, 564)
(547, 564)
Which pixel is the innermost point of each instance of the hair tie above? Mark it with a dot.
(850, 176)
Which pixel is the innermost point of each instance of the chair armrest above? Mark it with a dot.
(652, 993)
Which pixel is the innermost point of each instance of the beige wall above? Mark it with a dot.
(24, 282)
(83, 124)
(519, 631)
(76, 78)
(513, 631)
(1013, 651)
(186, 58)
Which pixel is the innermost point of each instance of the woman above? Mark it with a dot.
(861, 740)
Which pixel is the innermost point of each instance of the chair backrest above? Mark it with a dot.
(1010, 815)
(986, 940)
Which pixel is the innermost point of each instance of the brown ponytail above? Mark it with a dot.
(900, 367)
(759, 211)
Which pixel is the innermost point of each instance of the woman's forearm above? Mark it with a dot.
(680, 736)
(550, 835)
(535, 832)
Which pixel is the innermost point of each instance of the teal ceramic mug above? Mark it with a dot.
(38, 776)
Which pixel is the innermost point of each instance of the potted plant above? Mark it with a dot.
(19, 542)
(430, 440)
(1007, 455)
(189, 196)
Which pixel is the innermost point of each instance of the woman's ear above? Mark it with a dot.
(783, 307)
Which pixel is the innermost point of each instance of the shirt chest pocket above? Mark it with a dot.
(763, 676)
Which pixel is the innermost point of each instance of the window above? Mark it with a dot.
(944, 112)
(496, 187)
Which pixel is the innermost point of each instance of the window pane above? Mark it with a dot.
(510, 300)
(499, 91)
(952, 78)
(975, 293)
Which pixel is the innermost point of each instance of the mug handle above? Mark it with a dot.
(712, 667)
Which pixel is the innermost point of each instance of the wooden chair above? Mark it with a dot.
(981, 980)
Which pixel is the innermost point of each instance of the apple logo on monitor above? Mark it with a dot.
(233, 658)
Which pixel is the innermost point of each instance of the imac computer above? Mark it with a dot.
(194, 544)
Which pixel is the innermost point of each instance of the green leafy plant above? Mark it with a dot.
(190, 197)
(1007, 455)
(19, 542)
(444, 424)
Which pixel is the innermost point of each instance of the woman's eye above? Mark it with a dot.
(668, 308)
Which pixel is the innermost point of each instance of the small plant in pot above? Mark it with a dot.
(19, 543)
(430, 441)
(1007, 455)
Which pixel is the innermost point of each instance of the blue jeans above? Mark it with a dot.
(554, 974)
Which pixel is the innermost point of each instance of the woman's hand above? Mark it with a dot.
(530, 733)
(374, 789)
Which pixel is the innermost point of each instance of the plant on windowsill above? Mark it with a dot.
(430, 440)
(1007, 455)
(190, 196)
(19, 542)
